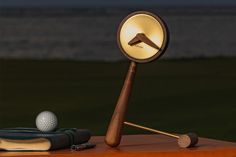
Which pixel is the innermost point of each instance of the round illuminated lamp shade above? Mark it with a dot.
(142, 36)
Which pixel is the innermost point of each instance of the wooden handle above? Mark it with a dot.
(152, 130)
(114, 130)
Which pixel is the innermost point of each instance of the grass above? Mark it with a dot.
(171, 95)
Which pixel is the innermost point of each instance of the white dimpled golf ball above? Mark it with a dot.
(46, 121)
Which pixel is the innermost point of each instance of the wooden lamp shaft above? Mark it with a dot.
(114, 131)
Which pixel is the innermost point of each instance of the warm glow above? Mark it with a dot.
(141, 23)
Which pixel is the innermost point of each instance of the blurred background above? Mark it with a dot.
(62, 56)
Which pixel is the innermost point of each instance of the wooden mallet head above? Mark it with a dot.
(188, 140)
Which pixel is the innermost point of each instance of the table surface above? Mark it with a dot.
(143, 145)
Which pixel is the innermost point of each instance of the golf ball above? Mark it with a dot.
(46, 121)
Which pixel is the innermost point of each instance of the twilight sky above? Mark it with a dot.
(79, 3)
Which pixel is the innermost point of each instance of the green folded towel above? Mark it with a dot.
(31, 139)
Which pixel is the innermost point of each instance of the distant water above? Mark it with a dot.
(90, 34)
